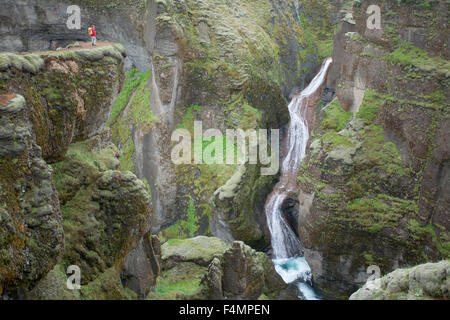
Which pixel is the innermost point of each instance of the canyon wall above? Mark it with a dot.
(229, 67)
(373, 185)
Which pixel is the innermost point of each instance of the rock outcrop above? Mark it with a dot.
(208, 268)
(106, 215)
(142, 266)
(422, 282)
(106, 219)
(69, 93)
(372, 183)
(241, 273)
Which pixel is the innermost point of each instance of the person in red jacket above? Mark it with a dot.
(93, 35)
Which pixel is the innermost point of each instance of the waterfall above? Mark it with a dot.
(285, 244)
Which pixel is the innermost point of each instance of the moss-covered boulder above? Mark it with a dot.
(242, 273)
(423, 282)
(199, 250)
(184, 264)
(208, 268)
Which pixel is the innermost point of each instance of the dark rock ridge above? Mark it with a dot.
(142, 266)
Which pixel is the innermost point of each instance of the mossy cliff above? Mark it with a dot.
(372, 185)
(31, 235)
(69, 93)
(81, 211)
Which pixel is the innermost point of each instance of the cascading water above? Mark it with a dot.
(286, 247)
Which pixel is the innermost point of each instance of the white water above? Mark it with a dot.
(297, 269)
(287, 249)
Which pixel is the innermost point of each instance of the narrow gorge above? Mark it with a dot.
(94, 206)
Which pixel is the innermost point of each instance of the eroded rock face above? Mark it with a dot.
(238, 206)
(106, 212)
(204, 68)
(422, 282)
(370, 185)
(32, 238)
(40, 26)
(247, 274)
(142, 266)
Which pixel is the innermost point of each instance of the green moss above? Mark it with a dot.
(370, 105)
(136, 95)
(107, 286)
(31, 63)
(181, 282)
(317, 29)
(407, 54)
(337, 140)
(140, 107)
(133, 80)
(191, 223)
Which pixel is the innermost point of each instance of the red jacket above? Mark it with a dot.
(93, 34)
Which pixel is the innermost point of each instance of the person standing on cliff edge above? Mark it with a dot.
(93, 35)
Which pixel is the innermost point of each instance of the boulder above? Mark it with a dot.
(199, 250)
(242, 273)
(422, 282)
